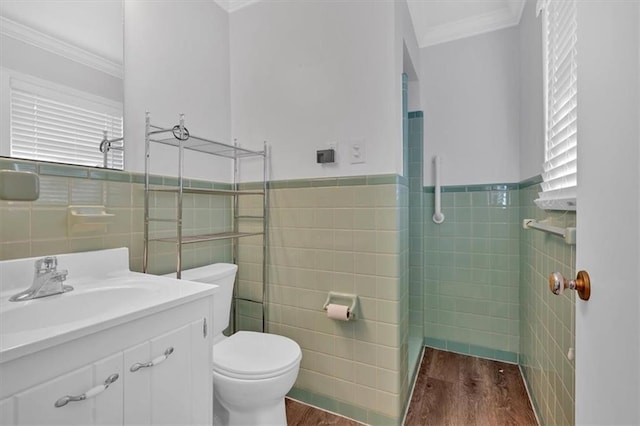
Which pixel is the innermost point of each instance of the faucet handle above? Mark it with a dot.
(46, 264)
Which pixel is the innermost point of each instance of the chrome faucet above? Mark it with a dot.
(47, 281)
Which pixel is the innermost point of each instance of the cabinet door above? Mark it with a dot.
(163, 389)
(35, 406)
(201, 375)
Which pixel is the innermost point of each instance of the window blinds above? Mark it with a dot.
(560, 166)
(50, 130)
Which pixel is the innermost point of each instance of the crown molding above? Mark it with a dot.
(474, 25)
(43, 41)
(517, 9)
(224, 4)
(233, 5)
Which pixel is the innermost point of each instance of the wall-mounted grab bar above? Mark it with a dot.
(438, 216)
(569, 233)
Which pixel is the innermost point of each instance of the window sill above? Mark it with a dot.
(564, 204)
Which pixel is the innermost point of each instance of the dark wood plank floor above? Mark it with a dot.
(454, 389)
(451, 389)
(299, 414)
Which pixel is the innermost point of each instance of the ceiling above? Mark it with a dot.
(439, 21)
(96, 26)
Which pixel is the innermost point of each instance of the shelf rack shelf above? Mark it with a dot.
(180, 138)
(195, 143)
(205, 191)
(202, 238)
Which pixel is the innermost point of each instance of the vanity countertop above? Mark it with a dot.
(106, 294)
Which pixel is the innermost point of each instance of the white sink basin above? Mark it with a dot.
(53, 312)
(103, 296)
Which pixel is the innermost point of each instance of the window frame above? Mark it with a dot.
(564, 198)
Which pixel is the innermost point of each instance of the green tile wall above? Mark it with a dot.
(472, 270)
(407, 365)
(547, 322)
(347, 235)
(202, 214)
(416, 240)
(40, 228)
(486, 288)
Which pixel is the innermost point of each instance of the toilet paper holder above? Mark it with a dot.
(348, 299)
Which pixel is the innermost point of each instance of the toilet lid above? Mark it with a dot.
(250, 355)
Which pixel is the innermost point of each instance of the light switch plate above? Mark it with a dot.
(357, 151)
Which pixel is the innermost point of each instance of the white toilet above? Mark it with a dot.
(252, 372)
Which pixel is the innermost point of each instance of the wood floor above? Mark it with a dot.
(454, 389)
(451, 390)
(304, 415)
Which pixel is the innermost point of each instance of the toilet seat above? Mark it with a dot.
(250, 355)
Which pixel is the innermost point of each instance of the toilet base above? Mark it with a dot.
(272, 415)
(254, 401)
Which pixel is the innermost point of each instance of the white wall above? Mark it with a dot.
(407, 41)
(407, 61)
(307, 73)
(471, 100)
(407, 36)
(608, 325)
(531, 93)
(177, 61)
(413, 93)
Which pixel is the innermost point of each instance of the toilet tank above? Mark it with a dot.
(222, 275)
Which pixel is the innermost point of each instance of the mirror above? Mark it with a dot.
(69, 53)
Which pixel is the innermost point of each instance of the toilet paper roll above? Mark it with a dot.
(338, 312)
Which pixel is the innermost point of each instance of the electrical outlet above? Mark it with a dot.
(357, 151)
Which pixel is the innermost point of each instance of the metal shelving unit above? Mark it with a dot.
(179, 137)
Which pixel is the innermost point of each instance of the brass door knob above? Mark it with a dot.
(582, 284)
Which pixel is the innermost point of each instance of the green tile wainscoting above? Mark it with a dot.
(348, 235)
(39, 228)
(407, 366)
(416, 239)
(472, 267)
(547, 321)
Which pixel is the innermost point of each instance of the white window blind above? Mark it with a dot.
(560, 167)
(62, 130)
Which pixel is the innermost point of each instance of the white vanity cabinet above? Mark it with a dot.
(171, 382)
(35, 406)
(171, 392)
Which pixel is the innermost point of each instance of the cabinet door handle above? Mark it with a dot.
(88, 394)
(157, 360)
